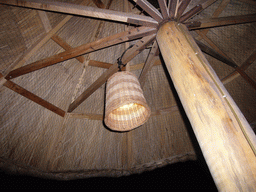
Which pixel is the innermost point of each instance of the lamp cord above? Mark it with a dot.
(119, 60)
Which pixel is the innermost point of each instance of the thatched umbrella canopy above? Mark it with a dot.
(56, 57)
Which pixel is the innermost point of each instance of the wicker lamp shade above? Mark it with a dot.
(126, 107)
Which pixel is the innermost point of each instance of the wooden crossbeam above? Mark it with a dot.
(217, 12)
(95, 116)
(221, 21)
(56, 38)
(150, 9)
(29, 52)
(246, 77)
(243, 67)
(83, 49)
(84, 11)
(66, 46)
(152, 57)
(91, 89)
(31, 96)
(130, 54)
(164, 9)
(105, 65)
(195, 10)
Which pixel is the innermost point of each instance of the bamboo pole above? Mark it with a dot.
(225, 137)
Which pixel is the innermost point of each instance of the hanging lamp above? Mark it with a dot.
(126, 107)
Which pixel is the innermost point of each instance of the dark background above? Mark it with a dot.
(184, 175)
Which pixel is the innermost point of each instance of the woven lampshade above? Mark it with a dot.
(126, 107)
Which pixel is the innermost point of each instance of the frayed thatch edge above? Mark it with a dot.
(13, 167)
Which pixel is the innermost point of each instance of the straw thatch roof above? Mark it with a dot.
(37, 141)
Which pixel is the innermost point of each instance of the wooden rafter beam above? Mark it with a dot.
(221, 21)
(29, 52)
(217, 12)
(182, 7)
(57, 39)
(246, 77)
(31, 96)
(172, 8)
(243, 67)
(215, 54)
(137, 48)
(99, 4)
(150, 9)
(227, 60)
(130, 54)
(195, 10)
(84, 11)
(83, 49)
(164, 9)
(91, 89)
(47, 26)
(152, 57)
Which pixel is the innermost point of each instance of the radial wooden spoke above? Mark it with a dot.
(29, 52)
(221, 21)
(195, 10)
(164, 9)
(150, 9)
(243, 67)
(20, 90)
(56, 38)
(84, 11)
(217, 12)
(246, 77)
(182, 8)
(137, 48)
(152, 57)
(130, 54)
(83, 49)
(215, 54)
(172, 8)
(90, 90)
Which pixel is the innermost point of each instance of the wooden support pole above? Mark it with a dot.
(225, 137)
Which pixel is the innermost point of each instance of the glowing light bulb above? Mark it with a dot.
(127, 106)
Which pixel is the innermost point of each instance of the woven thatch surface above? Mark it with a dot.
(35, 141)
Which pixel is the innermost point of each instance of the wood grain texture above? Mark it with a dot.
(84, 11)
(225, 137)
